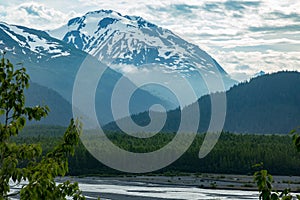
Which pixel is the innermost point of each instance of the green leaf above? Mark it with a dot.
(39, 171)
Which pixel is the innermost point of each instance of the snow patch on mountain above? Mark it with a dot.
(38, 43)
(117, 39)
(131, 45)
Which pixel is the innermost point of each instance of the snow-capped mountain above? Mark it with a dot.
(32, 42)
(131, 44)
(53, 63)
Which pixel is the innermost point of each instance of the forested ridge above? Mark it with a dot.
(233, 154)
(265, 104)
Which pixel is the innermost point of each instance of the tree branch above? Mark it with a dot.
(11, 194)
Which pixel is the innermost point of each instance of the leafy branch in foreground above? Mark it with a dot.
(296, 138)
(264, 180)
(24, 162)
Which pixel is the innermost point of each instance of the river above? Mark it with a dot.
(167, 188)
(127, 190)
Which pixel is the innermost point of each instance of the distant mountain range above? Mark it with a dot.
(53, 63)
(141, 52)
(130, 46)
(138, 48)
(265, 104)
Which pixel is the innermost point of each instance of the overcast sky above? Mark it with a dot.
(245, 37)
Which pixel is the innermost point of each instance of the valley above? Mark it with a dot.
(146, 107)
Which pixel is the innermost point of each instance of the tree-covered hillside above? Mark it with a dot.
(234, 153)
(265, 104)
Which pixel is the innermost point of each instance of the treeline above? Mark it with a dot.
(234, 153)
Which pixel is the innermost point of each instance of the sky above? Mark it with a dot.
(244, 36)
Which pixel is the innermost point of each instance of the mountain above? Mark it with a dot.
(266, 104)
(260, 73)
(138, 48)
(54, 64)
(60, 109)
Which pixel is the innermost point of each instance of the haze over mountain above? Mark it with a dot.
(146, 53)
(54, 64)
(167, 69)
(266, 104)
(60, 109)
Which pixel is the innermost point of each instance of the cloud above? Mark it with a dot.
(239, 76)
(294, 16)
(35, 15)
(242, 67)
(261, 34)
(212, 7)
(184, 8)
(234, 5)
(291, 27)
(240, 5)
(32, 9)
(268, 61)
(2, 11)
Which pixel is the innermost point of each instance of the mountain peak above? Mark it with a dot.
(106, 17)
(260, 73)
(97, 15)
(101, 11)
(131, 40)
(132, 44)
